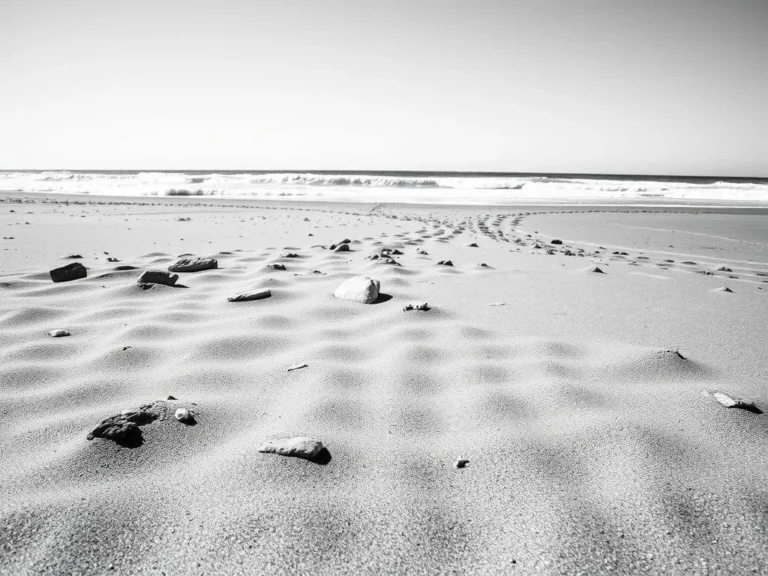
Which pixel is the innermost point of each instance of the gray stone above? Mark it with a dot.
(252, 295)
(70, 272)
(158, 277)
(361, 289)
(298, 447)
(193, 265)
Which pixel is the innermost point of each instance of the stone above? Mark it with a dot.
(296, 367)
(280, 267)
(58, 333)
(472, 245)
(183, 415)
(731, 402)
(445, 263)
(341, 248)
(252, 295)
(596, 270)
(298, 447)
(342, 243)
(193, 264)
(70, 272)
(361, 289)
(556, 241)
(423, 306)
(124, 428)
(158, 277)
(461, 463)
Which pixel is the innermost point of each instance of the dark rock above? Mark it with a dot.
(341, 248)
(124, 428)
(158, 277)
(445, 263)
(193, 265)
(70, 272)
(276, 266)
(556, 241)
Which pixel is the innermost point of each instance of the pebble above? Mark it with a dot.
(193, 264)
(461, 463)
(182, 415)
(252, 295)
(70, 272)
(58, 333)
(298, 447)
(296, 367)
(158, 277)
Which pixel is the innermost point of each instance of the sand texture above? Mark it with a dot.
(532, 417)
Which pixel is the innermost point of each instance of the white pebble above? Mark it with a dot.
(182, 414)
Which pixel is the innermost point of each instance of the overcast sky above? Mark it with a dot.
(601, 86)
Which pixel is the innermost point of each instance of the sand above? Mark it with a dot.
(581, 404)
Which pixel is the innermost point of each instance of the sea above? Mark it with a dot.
(472, 188)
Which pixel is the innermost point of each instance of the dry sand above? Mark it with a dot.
(580, 403)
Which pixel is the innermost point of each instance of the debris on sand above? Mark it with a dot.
(297, 367)
(461, 463)
(280, 267)
(158, 277)
(252, 295)
(193, 264)
(184, 416)
(58, 333)
(731, 402)
(70, 272)
(445, 263)
(299, 447)
(342, 243)
(361, 289)
(124, 428)
(423, 306)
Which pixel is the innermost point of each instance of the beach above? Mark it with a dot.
(556, 409)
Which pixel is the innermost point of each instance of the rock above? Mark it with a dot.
(472, 245)
(252, 295)
(112, 259)
(280, 267)
(193, 264)
(725, 289)
(158, 277)
(70, 272)
(289, 255)
(124, 267)
(73, 257)
(445, 263)
(184, 416)
(423, 306)
(483, 265)
(341, 248)
(723, 269)
(596, 270)
(299, 447)
(296, 367)
(461, 463)
(498, 303)
(58, 333)
(422, 252)
(730, 402)
(361, 289)
(556, 241)
(124, 427)
(342, 243)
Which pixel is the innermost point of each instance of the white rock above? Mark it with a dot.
(182, 415)
(361, 289)
(730, 402)
(58, 333)
(252, 295)
(299, 447)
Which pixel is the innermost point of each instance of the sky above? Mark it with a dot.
(593, 86)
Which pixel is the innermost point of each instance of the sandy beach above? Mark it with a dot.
(570, 358)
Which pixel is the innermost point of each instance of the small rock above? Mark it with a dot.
(70, 272)
(730, 402)
(472, 245)
(342, 243)
(296, 367)
(73, 257)
(252, 295)
(498, 303)
(172, 398)
(445, 263)
(158, 277)
(276, 267)
(556, 241)
(58, 333)
(723, 269)
(423, 306)
(461, 463)
(483, 265)
(725, 289)
(341, 248)
(289, 255)
(193, 265)
(183, 415)
(124, 428)
(361, 289)
(299, 447)
(596, 270)
(112, 259)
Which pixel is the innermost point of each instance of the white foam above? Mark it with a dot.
(379, 188)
